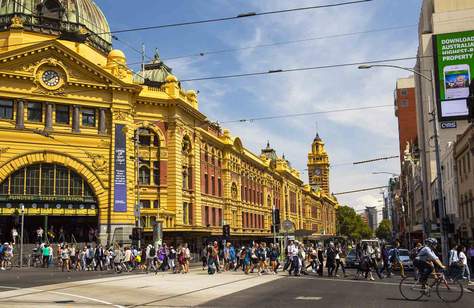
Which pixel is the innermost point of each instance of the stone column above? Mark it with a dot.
(102, 122)
(75, 119)
(49, 117)
(20, 115)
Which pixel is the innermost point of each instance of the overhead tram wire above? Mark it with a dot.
(240, 16)
(359, 190)
(298, 69)
(230, 50)
(292, 115)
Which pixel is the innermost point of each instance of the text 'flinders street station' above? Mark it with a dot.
(83, 140)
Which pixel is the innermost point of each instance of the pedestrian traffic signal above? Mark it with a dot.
(226, 231)
(137, 234)
(276, 216)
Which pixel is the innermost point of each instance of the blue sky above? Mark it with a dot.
(349, 136)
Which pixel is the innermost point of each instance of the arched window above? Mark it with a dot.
(51, 12)
(147, 137)
(45, 180)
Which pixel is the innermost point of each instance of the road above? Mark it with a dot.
(39, 288)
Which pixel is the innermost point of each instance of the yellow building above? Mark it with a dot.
(83, 140)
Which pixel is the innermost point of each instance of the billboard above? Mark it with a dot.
(454, 70)
(120, 170)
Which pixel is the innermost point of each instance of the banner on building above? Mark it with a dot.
(120, 170)
(454, 70)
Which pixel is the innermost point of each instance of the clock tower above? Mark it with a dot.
(318, 166)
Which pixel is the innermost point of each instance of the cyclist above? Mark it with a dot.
(426, 259)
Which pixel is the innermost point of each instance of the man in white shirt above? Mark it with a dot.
(426, 259)
(453, 256)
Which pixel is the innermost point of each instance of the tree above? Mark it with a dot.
(384, 230)
(349, 224)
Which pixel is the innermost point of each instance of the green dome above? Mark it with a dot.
(59, 17)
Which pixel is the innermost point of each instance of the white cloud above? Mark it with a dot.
(349, 136)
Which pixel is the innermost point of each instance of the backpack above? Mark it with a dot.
(413, 253)
(152, 252)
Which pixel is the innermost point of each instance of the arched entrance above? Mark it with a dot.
(55, 197)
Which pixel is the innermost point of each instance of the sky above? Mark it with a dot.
(349, 136)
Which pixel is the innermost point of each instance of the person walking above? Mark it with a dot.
(385, 263)
(470, 255)
(320, 260)
(454, 267)
(172, 259)
(39, 235)
(232, 257)
(340, 261)
(65, 258)
(331, 259)
(187, 258)
(273, 256)
(150, 258)
(99, 256)
(466, 275)
(46, 254)
(14, 236)
(204, 256)
(395, 258)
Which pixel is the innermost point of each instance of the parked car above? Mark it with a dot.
(405, 259)
(351, 259)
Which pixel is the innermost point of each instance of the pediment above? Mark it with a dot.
(26, 63)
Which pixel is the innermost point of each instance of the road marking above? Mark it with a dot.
(309, 298)
(347, 280)
(61, 293)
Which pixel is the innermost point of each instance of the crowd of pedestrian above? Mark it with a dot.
(297, 258)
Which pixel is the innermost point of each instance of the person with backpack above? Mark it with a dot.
(395, 258)
(212, 254)
(273, 256)
(150, 258)
(232, 257)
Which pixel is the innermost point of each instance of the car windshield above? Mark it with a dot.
(404, 253)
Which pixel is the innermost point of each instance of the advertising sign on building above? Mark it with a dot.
(120, 170)
(454, 69)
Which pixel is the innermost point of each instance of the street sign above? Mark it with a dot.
(446, 125)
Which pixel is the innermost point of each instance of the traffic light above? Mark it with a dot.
(226, 231)
(137, 234)
(276, 216)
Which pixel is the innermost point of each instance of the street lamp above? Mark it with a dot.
(441, 208)
(22, 209)
(390, 173)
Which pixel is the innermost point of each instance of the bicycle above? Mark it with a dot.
(448, 290)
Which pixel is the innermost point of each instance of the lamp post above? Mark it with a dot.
(21, 234)
(441, 208)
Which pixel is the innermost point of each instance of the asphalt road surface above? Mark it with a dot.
(311, 291)
(51, 287)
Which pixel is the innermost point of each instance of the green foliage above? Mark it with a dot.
(384, 230)
(349, 224)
